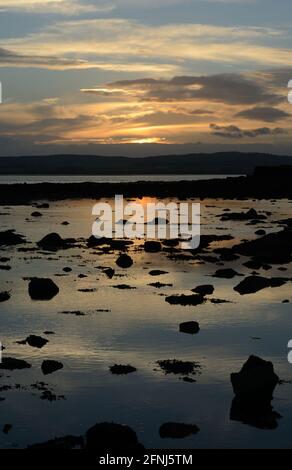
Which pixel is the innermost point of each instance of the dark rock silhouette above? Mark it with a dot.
(35, 341)
(120, 369)
(4, 296)
(67, 269)
(9, 237)
(124, 287)
(157, 272)
(42, 289)
(124, 261)
(177, 430)
(274, 248)
(253, 387)
(36, 214)
(109, 272)
(226, 273)
(191, 327)
(182, 299)
(159, 285)
(112, 436)
(43, 205)
(66, 442)
(53, 242)
(50, 366)
(249, 215)
(252, 284)
(10, 363)
(152, 246)
(203, 290)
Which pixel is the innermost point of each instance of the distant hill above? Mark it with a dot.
(215, 163)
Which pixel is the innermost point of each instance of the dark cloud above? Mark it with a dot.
(232, 89)
(234, 132)
(263, 113)
(10, 58)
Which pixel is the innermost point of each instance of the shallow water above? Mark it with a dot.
(139, 329)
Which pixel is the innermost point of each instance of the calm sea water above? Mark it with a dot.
(11, 179)
(139, 329)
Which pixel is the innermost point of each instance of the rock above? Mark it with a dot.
(120, 369)
(191, 327)
(226, 273)
(260, 232)
(256, 380)
(67, 269)
(123, 287)
(50, 366)
(42, 289)
(43, 205)
(177, 430)
(253, 387)
(120, 244)
(157, 272)
(109, 272)
(124, 261)
(53, 242)
(48, 332)
(93, 241)
(111, 436)
(36, 214)
(4, 296)
(174, 366)
(4, 267)
(159, 285)
(4, 259)
(65, 223)
(274, 248)
(10, 363)
(250, 214)
(182, 299)
(203, 290)
(255, 264)
(152, 246)
(6, 428)
(9, 237)
(36, 341)
(252, 284)
(66, 442)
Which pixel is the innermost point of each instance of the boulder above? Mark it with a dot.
(182, 299)
(52, 242)
(252, 284)
(226, 273)
(10, 363)
(177, 430)
(124, 261)
(4, 296)
(203, 290)
(256, 380)
(9, 237)
(120, 369)
(112, 436)
(42, 289)
(36, 341)
(191, 327)
(50, 366)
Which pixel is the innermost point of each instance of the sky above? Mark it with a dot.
(134, 77)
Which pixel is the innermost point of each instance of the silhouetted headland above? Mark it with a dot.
(265, 183)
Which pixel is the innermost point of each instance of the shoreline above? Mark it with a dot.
(228, 188)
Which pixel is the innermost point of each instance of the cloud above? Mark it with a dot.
(120, 41)
(9, 58)
(61, 7)
(232, 89)
(263, 113)
(234, 132)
